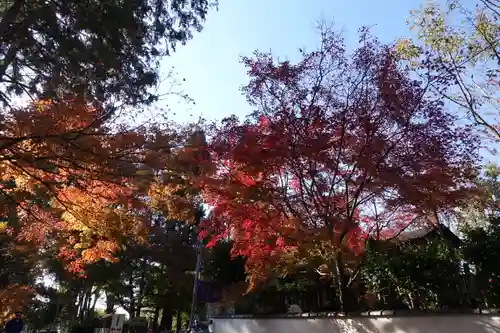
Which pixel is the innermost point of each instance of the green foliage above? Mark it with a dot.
(478, 211)
(460, 41)
(482, 249)
(155, 274)
(102, 49)
(57, 48)
(299, 283)
(45, 313)
(148, 278)
(219, 266)
(420, 275)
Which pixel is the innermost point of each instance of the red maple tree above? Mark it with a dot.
(340, 147)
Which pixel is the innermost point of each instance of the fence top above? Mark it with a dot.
(377, 313)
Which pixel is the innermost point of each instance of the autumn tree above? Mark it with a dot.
(340, 146)
(150, 279)
(13, 298)
(103, 50)
(461, 40)
(85, 199)
(18, 272)
(81, 181)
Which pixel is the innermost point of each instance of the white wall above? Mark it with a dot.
(467, 323)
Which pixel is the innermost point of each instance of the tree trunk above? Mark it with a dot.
(85, 305)
(81, 300)
(89, 303)
(166, 319)
(178, 321)
(97, 294)
(131, 309)
(342, 281)
(71, 307)
(110, 302)
(155, 319)
(142, 288)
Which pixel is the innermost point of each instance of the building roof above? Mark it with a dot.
(439, 228)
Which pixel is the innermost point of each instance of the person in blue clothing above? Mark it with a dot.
(16, 324)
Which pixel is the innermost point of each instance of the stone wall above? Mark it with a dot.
(486, 321)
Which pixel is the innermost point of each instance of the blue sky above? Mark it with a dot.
(210, 62)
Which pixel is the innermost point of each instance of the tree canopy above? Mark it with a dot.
(340, 148)
(103, 50)
(458, 43)
(354, 184)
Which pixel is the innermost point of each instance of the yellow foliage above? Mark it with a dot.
(174, 201)
(406, 49)
(68, 176)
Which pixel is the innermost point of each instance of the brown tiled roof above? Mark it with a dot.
(423, 231)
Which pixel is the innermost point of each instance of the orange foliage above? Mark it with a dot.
(69, 174)
(177, 196)
(14, 298)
